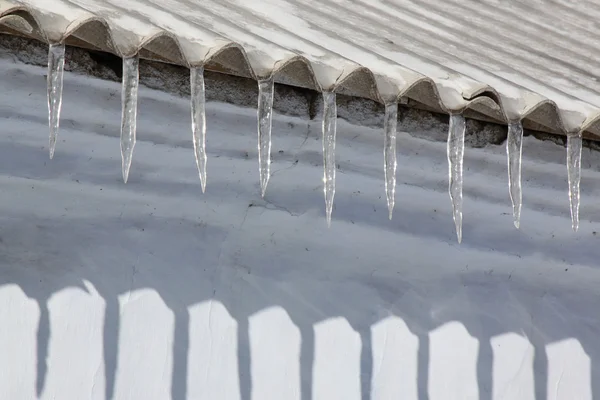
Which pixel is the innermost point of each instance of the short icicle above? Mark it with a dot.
(456, 150)
(514, 150)
(329, 133)
(56, 67)
(129, 97)
(390, 123)
(265, 116)
(574, 145)
(199, 121)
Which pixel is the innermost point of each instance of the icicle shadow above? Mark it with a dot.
(456, 150)
(265, 116)
(129, 98)
(390, 124)
(198, 102)
(514, 150)
(56, 67)
(329, 133)
(574, 145)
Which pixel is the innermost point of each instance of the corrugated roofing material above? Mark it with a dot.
(530, 60)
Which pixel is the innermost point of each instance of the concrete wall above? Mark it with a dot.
(153, 290)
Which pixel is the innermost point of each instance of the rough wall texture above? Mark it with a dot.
(288, 100)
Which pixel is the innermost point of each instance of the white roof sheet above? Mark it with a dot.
(536, 60)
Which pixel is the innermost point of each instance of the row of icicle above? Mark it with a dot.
(456, 139)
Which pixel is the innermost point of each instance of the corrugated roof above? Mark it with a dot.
(534, 60)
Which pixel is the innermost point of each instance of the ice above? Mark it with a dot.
(514, 150)
(129, 97)
(265, 115)
(199, 121)
(329, 131)
(56, 67)
(390, 123)
(456, 151)
(574, 144)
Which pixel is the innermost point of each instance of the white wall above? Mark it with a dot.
(153, 290)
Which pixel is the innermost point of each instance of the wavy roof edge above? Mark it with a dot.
(96, 33)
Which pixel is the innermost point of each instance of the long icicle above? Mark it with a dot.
(56, 67)
(456, 150)
(329, 133)
(129, 97)
(265, 116)
(198, 101)
(514, 151)
(574, 145)
(390, 123)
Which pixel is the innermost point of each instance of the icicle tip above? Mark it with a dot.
(125, 175)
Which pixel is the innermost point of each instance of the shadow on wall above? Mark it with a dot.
(398, 327)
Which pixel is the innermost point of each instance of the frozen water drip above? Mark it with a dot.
(56, 67)
(456, 151)
(265, 116)
(514, 150)
(390, 123)
(198, 101)
(129, 98)
(329, 133)
(574, 145)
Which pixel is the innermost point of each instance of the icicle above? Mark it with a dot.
(514, 150)
(56, 66)
(329, 131)
(390, 123)
(199, 121)
(456, 150)
(265, 114)
(129, 97)
(574, 144)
